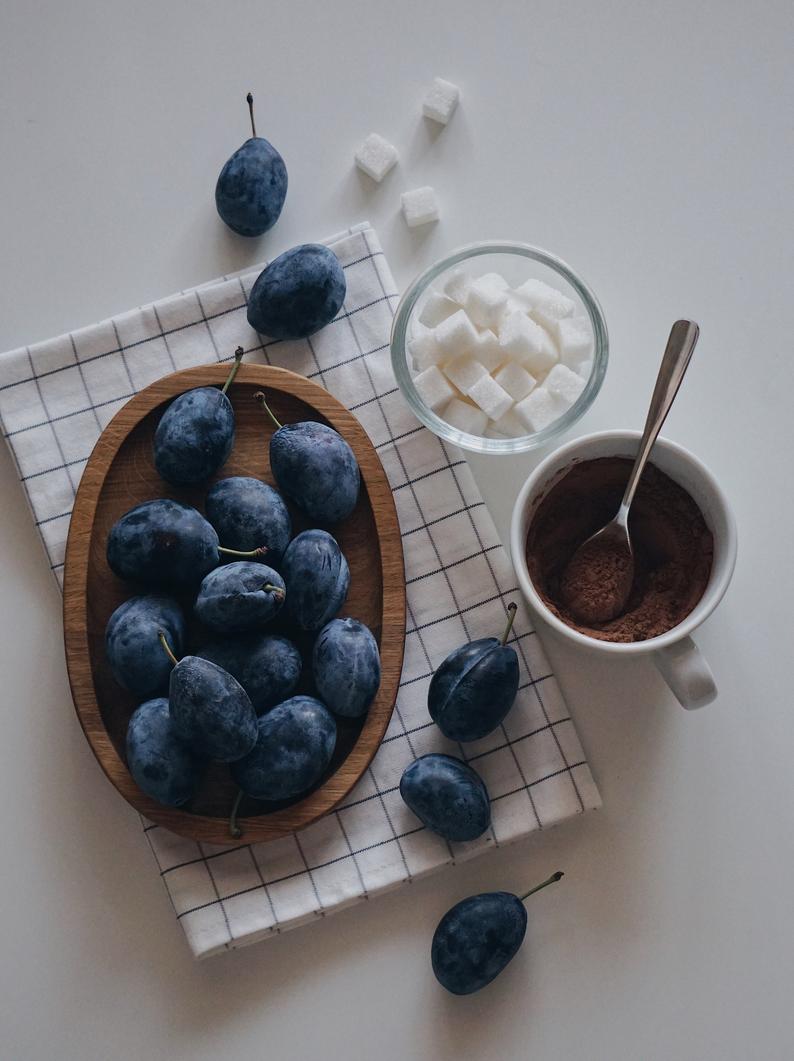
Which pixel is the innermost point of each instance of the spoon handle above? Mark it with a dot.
(677, 355)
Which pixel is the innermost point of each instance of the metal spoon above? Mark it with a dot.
(597, 580)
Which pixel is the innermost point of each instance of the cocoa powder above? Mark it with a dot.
(673, 547)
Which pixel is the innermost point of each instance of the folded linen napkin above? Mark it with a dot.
(55, 399)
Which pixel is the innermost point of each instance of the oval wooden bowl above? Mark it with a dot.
(120, 473)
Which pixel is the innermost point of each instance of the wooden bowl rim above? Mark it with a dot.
(335, 788)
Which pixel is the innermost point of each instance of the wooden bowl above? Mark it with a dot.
(120, 474)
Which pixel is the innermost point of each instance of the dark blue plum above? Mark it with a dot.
(298, 293)
(252, 186)
(346, 667)
(447, 796)
(133, 648)
(163, 765)
(267, 666)
(476, 939)
(474, 688)
(211, 710)
(249, 514)
(240, 596)
(163, 543)
(194, 437)
(317, 578)
(293, 749)
(315, 468)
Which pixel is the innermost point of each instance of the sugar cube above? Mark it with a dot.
(495, 280)
(487, 350)
(376, 157)
(420, 206)
(490, 397)
(433, 388)
(465, 417)
(436, 309)
(575, 340)
(539, 409)
(545, 303)
(456, 286)
(521, 339)
(464, 373)
(425, 350)
(510, 425)
(485, 303)
(564, 384)
(456, 335)
(515, 379)
(441, 100)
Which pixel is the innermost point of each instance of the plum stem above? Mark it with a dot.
(238, 356)
(277, 591)
(259, 551)
(234, 828)
(260, 397)
(167, 648)
(250, 101)
(511, 614)
(552, 879)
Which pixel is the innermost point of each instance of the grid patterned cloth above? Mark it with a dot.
(55, 398)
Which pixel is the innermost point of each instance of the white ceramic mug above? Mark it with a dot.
(675, 653)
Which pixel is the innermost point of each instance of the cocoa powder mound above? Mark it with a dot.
(673, 547)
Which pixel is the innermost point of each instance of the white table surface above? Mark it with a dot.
(651, 146)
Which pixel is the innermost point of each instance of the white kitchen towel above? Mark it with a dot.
(56, 397)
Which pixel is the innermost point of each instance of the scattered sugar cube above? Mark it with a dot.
(487, 350)
(441, 100)
(456, 286)
(465, 417)
(495, 280)
(539, 409)
(510, 425)
(420, 206)
(456, 335)
(376, 157)
(490, 397)
(436, 309)
(564, 384)
(546, 304)
(464, 373)
(515, 379)
(425, 350)
(575, 340)
(485, 303)
(521, 339)
(433, 388)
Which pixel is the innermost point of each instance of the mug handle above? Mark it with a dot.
(687, 673)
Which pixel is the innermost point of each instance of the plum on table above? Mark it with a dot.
(162, 763)
(474, 688)
(195, 434)
(252, 185)
(478, 936)
(239, 596)
(248, 514)
(447, 795)
(294, 746)
(314, 467)
(298, 293)
(266, 665)
(132, 643)
(317, 578)
(346, 667)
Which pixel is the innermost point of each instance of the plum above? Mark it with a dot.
(195, 434)
(314, 467)
(210, 709)
(132, 643)
(294, 746)
(474, 688)
(267, 666)
(447, 796)
(248, 514)
(239, 596)
(346, 667)
(163, 765)
(252, 185)
(317, 578)
(478, 936)
(298, 293)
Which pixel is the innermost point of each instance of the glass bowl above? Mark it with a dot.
(516, 262)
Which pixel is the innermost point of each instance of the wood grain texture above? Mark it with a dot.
(121, 474)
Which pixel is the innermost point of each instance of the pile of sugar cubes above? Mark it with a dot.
(499, 361)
